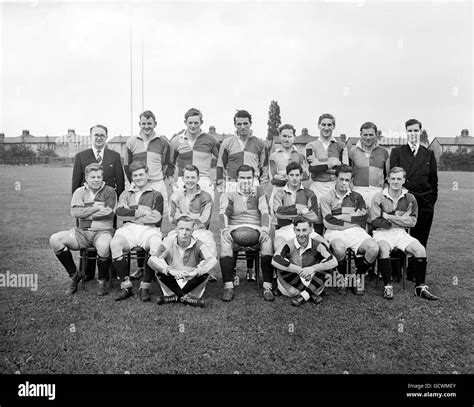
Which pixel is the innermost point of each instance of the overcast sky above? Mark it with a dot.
(67, 65)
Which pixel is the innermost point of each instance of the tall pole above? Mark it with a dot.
(143, 94)
(131, 86)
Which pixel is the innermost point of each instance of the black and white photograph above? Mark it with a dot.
(236, 200)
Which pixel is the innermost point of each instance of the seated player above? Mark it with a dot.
(140, 208)
(245, 207)
(302, 263)
(94, 206)
(291, 201)
(345, 215)
(197, 204)
(393, 210)
(182, 265)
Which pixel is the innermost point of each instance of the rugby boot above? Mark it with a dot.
(166, 299)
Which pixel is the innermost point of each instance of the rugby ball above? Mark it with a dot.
(245, 236)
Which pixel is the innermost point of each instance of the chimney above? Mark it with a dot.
(24, 134)
(2, 137)
(212, 130)
(343, 138)
(71, 131)
(304, 131)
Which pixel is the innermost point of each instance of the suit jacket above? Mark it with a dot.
(422, 173)
(111, 162)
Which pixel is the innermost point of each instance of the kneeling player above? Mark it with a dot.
(94, 206)
(393, 210)
(140, 208)
(345, 215)
(302, 263)
(182, 265)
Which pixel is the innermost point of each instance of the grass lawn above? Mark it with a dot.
(44, 331)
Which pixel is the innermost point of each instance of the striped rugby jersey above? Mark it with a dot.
(383, 202)
(369, 171)
(236, 209)
(199, 154)
(316, 252)
(285, 201)
(196, 256)
(279, 159)
(232, 156)
(320, 172)
(352, 204)
(198, 206)
(131, 199)
(157, 156)
(83, 197)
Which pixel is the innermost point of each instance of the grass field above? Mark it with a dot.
(44, 331)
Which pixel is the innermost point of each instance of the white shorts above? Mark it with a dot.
(396, 238)
(368, 194)
(288, 233)
(137, 235)
(321, 188)
(231, 186)
(352, 237)
(160, 186)
(205, 184)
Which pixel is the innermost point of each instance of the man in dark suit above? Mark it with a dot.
(421, 179)
(112, 170)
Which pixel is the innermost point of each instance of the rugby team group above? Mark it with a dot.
(364, 199)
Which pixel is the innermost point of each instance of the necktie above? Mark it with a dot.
(99, 157)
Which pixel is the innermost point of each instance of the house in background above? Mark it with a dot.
(68, 145)
(441, 145)
(36, 144)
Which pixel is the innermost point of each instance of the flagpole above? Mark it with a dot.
(143, 94)
(131, 86)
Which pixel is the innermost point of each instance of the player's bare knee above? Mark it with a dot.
(55, 241)
(384, 250)
(339, 250)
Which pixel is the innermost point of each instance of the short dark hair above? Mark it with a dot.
(193, 112)
(286, 127)
(191, 167)
(244, 168)
(100, 126)
(368, 125)
(411, 122)
(147, 114)
(294, 166)
(343, 168)
(93, 167)
(301, 219)
(326, 116)
(243, 114)
(137, 165)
